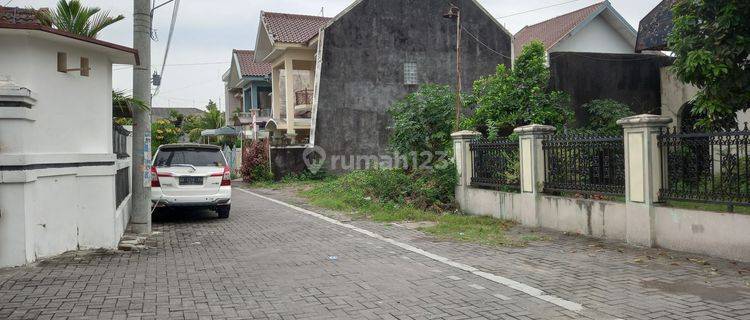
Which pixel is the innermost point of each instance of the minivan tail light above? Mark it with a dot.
(226, 178)
(154, 178)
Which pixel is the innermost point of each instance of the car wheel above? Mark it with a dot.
(223, 211)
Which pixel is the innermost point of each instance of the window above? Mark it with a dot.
(410, 73)
(198, 157)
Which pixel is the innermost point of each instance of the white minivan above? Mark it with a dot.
(191, 175)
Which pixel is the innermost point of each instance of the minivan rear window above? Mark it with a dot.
(198, 157)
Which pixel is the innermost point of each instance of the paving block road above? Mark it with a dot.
(272, 260)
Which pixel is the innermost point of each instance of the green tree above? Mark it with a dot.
(164, 131)
(711, 42)
(192, 125)
(517, 97)
(73, 17)
(422, 122)
(213, 119)
(124, 101)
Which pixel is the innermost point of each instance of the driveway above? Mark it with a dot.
(275, 260)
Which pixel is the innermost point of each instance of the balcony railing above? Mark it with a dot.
(303, 97)
(247, 117)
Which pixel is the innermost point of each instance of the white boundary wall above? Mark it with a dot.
(640, 220)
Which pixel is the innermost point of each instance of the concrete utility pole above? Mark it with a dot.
(141, 217)
(454, 13)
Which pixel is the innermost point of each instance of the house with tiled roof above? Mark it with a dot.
(596, 28)
(64, 166)
(247, 89)
(290, 42)
(349, 69)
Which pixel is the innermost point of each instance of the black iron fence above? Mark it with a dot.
(122, 185)
(496, 164)
(584, 164)
(706, 166)
(120, 141)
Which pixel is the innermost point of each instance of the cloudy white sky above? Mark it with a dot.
(208, 30)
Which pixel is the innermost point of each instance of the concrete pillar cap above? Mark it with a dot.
(642, 120)
(465, 134)
(534, 129)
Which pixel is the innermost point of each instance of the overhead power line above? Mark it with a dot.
(169, 41)
(537, 9)
(180, 65)
(484, 44)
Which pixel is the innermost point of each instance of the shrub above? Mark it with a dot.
(422, 189)
(163, 132)
(255, 162)
(515, 97)
(423, 122)
(603, 115)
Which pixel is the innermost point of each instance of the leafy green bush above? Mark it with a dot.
(521, 96)
(422, 189)
(603, 115)
(423, 122)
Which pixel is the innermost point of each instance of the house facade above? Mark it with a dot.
(64, 168)
(348, 70)
(247, 90)
(598, 28)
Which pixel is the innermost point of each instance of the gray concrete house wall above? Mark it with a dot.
(362, 67)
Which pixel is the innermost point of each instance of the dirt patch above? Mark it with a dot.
(719, 294)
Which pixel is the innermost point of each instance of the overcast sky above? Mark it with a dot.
(208, 30)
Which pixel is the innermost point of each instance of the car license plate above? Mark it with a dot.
(191, 181)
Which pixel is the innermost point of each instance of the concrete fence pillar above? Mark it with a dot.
(531, 157)
(643, 175)
(464, 162)
(462, 154)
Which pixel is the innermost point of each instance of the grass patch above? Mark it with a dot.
(341, 194)
(707, 206)
(483, 230)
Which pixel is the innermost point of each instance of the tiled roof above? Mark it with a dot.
(18, 15)
(552, 30)
(250, 68)
(292, 28)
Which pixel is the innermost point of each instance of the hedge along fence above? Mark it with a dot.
(587, 164)
(706, 166)
(496, 164)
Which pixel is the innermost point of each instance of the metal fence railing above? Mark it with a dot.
(120, 141)
(585, 164)
(122, 185)
(709, 167)
(496, 164)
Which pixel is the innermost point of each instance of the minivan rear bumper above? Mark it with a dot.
(223, 197)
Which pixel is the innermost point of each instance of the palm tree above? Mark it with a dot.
(72, 16)
(213, 118)
(126, 103)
